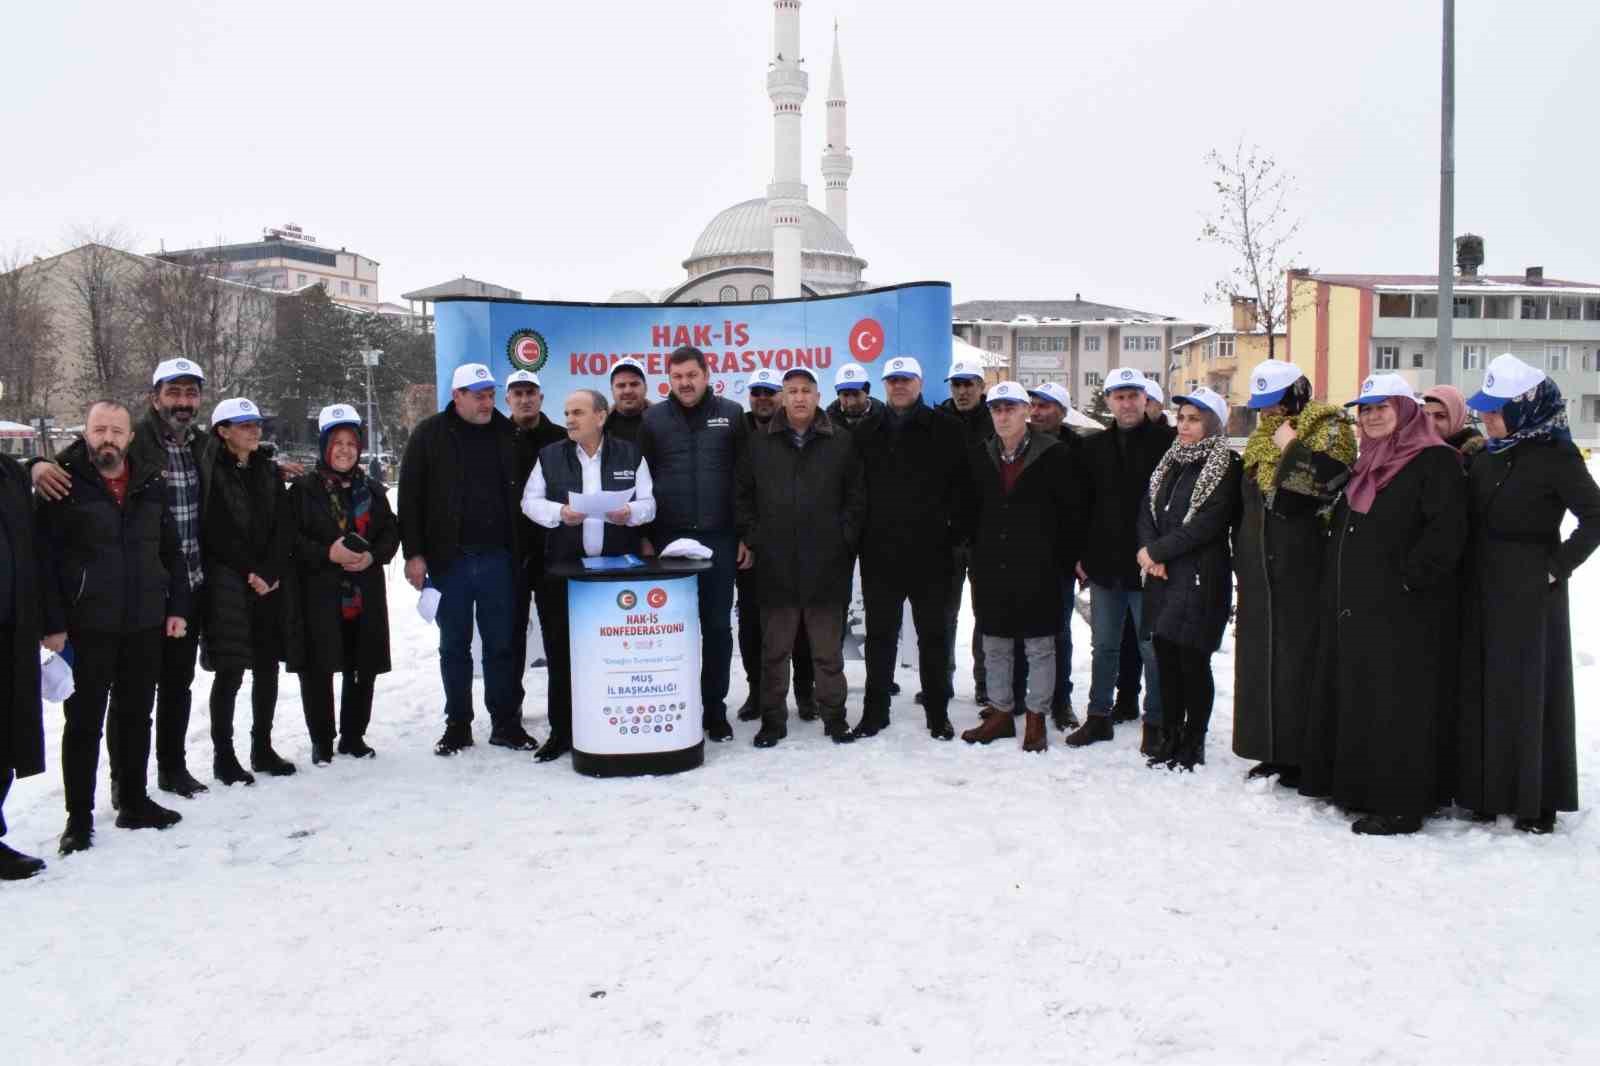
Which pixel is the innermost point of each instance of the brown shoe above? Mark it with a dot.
(1034, 735)
(998, 725)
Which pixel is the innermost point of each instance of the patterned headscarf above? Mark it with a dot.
(1538, 414)
(1213, 450)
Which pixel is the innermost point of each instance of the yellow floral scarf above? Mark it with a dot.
(1322, 427)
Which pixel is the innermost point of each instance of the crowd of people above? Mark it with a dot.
(1397, 581)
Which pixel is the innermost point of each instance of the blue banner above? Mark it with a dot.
(574, 346)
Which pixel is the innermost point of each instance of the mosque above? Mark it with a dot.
(778, 246)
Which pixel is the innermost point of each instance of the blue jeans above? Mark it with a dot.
(485, 579)
(716, 615)
(1108, 608)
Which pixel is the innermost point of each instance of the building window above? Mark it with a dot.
(1588, 362)
(1093, 379)
(728, 294)
(1388, 357)
(1425, 307)
(1566, 308)
(1419, 359)
(1497, 307)
(1092, 342)
(299, 281)
(1591, 309)
(1394, 305)
(1472, 356)
(363, 290)
(760, 292)
(344, 288)
(1558, 357)
(1152, 344)
(1130, 344)
(994, 343)
(1225, 347)
(1466, 307)
(1535, 307)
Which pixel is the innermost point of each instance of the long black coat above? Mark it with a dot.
(1190, 605)
(245, 531)
(1518, 751)
(316, 639)
(21, 715)
(1024, 541)
(1116, 466)
(1278, 555)
(801, 510)
(918, 486)
(1390, 604)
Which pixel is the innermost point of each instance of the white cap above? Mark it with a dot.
(1270, 380)
(474, 376)
(965, 368)
(338, 414)
(1380, 387)
(1126, 377)
(523, 377)
(1207, 398)
(765, 378)
(237, 409)
(1054, 393)
(806, 370)
(1507, 378)
(1153, 391)
(851, 376)
(1007, 392)
(176, 368)
(629, 363)
(902, 366)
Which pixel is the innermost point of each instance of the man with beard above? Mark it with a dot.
(533, 430)
(114, 583)
(629, 400)
(853, 404)
(165, 439)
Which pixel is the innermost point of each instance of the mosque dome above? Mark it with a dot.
(746, 229)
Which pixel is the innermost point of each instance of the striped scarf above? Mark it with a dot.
(350, 496)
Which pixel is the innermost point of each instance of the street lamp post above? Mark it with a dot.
(1447, 199)
(372, 357)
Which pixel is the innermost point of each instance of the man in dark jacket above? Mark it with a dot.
(534, 432)
(968, 405)
(1116, 465)
(590, 461)
(21, 716)
(630, 398)
(692, 443)
(802, 504)
(854, 405)
(917, 482)
(459, 527)
(115, 584)
(1048, 407)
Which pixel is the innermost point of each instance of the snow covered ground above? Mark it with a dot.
(898, 900)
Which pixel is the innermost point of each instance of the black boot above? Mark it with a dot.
(355, 747)
(773, 729)
(1160, 746)
(263, 760)
(939, 727)
(558, 745)
(750, 709)
(1191, 748)
(145, 813)
(512, 736)
(15, 866)
(716, 726)
(1386, 825)
(179, 781)
(1062, 717)
(836, 729)
(226, 769)
(1125, 709)
(1093, 731)
(872, 723)
(79, 834)
(457, 737)
(322, 752)
(1540, 826)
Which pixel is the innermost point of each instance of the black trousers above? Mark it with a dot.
(176, 660)
(122, 668)
(551, 601)
(263, 703)
(1187, 689)
(7, 638)
(6, 775)
(355, 697)
(1130, 669)
(750, 644)
(885, 595)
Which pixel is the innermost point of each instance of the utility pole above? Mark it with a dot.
(1447, 201)
(371, 358)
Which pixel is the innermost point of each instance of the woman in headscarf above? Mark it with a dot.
(1448, 409)
(1518, 752)
(246, 554)
(1183, 524)
(1295, 462)
(344, 535)
(1389, 599)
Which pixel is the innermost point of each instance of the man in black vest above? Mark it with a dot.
(590, 461)
(114, 582)
(459, 527)
(693, 442)
(1115, 467)
(21, 715)
(534, 431)
(630, 399)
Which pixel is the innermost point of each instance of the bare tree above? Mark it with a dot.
(189, 310)
(1253, 222)
(99, 276)
(27, 334)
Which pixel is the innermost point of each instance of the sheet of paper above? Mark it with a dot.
(598, 504)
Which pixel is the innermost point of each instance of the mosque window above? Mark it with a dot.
(760, 292)
(728, 294)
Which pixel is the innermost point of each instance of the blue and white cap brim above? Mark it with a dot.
(1268, 399)
(1482, 401)
(849, 386)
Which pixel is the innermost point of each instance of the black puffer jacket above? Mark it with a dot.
(245, 531)
(625, 426)
(918, 487)
(693, 455)
(432, 492)
(1116, 465)
(110, 569)
(21, 716)
(801, 509)
(1190, 606)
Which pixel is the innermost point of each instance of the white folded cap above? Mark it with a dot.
(338, 414)
(965, 368)
(177, 368)
(238, 409)
(1052, 392)
(523, 377)
(803, 371)
(902, 366)
(1153, 391)
(1506, 378)
(1270, 380)
(851, 376)
(1208, 399)
(1007, 392)
(765, 378)
(474, 376)
(628, 363)
(1126, 377)
(1380, 387)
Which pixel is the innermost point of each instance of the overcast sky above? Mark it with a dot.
(1017, 149)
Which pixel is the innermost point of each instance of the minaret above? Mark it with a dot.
(786, 196)
(836, 161)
